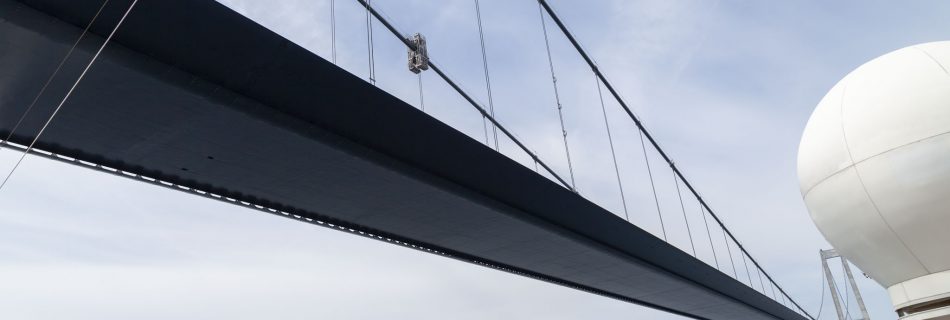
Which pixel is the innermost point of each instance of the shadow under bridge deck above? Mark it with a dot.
(191, 93)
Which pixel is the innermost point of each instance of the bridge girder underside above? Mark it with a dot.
(192, 93)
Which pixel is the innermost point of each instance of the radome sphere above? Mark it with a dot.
(874, 171)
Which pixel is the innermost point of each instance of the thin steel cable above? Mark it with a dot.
(747, 273)
(481, 39)
(683, 208)
(838, 290)
(422, 100)
(485, 129)
(613, 154)
(557, 98)
(702, 212)
(580, 50)
(656, 200)
(772, 286)
(775, 295)
(371, 56)
(821, 305)
(781, 299)
(468, 98)
(729, 251)
(758, 273)
(55, 72)
(333, 30)
(68, 94)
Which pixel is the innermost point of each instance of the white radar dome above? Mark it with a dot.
(874, 171)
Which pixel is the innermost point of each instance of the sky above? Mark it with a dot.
(726, 88)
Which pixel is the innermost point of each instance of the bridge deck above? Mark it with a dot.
(192, 93)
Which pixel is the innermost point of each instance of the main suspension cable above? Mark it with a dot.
(613, 154)
(491, 103)
(663, 154)
(55, 72)
(68, 94)
(435, 68)
(557, 98)
(610, 88)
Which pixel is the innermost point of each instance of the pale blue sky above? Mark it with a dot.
(726, 87)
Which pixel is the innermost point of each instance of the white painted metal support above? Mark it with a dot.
(831, 254)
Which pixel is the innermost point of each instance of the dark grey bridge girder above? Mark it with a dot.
(195, 94)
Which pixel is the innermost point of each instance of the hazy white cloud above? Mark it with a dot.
(726, 87)
(122, 249)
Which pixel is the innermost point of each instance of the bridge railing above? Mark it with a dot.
(682, 216)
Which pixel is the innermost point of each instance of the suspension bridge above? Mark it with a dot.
(192, 96)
